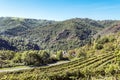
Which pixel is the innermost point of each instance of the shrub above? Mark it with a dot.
(32, 58)
(98, 46)
(7, 55)
(17, 58)
(45, 56)
(103, 40)
(59, 55)
(71, 54)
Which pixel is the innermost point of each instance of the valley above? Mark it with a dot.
(73, 49)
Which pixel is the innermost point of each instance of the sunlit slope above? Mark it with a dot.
(77, 68)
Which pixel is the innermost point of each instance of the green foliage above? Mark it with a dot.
(71, 54)
(106, 39)
(117, 53)
(111, 69)
(45, 56)
(7, 55)
(31, 58)
(103, 40)
(18, 58)
(10, 43)
(98, 58)
(98, 46)
(59, 55)
(5, 45)
(77, 69)
(64, 35)
(81, 54)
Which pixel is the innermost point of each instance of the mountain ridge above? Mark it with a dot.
(54, 35)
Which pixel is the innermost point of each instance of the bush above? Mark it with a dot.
(59, 55)
(112, 68)
(17, 58)
(71, 54)
(98, 46)
(45, 56)
(7, 55)
(32, 58)
(81, 54)
(103, 40)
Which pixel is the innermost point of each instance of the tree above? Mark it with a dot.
(98, 46)
(7, 55)
(32, 58)
(59, 55)
(17, 58)
(45, 56)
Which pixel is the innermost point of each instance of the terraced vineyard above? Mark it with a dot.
(77, 69)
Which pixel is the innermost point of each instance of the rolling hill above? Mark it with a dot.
(100, 59)
(13, 25)
(100, 63)
(109, 30)
(53, 35)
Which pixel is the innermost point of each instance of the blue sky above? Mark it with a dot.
(61, 9)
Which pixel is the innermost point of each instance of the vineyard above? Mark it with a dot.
(77, 69)
(61, 46)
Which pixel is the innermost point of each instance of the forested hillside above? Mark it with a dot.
(109, 30)
(10, 27)
(91, 47)
(4, 45)
(10, 24)
(98, 60)
(52, 35)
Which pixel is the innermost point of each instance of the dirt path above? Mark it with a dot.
(27, 67)
(14, 69)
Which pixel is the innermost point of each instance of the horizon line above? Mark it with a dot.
(55, 19)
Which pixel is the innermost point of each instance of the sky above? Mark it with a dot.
(61, 9)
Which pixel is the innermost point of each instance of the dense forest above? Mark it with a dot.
(26, 34)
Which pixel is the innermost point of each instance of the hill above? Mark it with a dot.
(14, 25)
(16, 44)
(63, 35)
(53, 35)
(102, 58)
(10, 27)
(4, 45)
(110, 30)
